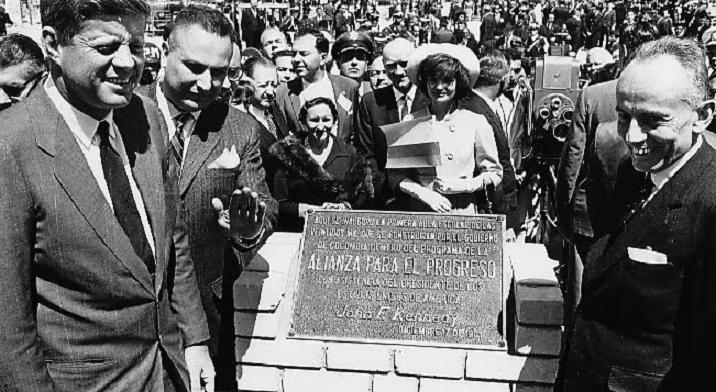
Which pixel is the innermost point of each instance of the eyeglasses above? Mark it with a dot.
(392, 66)
(349, 55)
(234, 73)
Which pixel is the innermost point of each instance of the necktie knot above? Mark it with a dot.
(103, 132)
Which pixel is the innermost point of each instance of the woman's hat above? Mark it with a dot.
(463, 54)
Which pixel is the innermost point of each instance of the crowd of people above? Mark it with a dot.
(138, 181)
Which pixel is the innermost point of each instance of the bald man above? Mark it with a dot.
(387, 105)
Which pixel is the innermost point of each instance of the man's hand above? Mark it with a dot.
(201, 370)
(245, 214)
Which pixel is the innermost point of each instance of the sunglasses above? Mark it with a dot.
(349, 55)
(393, 66)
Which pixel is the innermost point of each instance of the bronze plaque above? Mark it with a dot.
(401, 278)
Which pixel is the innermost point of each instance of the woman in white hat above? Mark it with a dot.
(469, 162)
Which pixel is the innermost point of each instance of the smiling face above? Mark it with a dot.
(441, 91)
(656, 120)
(197, 63)
(101, 64)
(319, 121)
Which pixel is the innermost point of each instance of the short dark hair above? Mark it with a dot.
(209, 19)
(20, 49)
(493, 69)
(67, 16)
(303, 114)
(444, 67)
(252, 63)
(322, 43)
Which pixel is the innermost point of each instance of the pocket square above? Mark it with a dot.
(345, 103)
(228, 159)
(647, 256)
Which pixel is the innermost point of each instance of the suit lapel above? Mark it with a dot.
(651, 221)
(340, 96)
(74, 176)
(203, 141)
(391, 106)
(294, 89)
(147, 171)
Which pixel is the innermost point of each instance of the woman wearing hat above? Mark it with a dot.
(469, 162)
(318, 170)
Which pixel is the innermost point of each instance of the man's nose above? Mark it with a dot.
(634, 133)
(123, 59)
(203, 80)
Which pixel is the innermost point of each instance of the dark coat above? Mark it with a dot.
(488, 28)
(345, 94)
(505, 193)
(648, 327)
(79, 310)
(596, 105)
(219, 128)
(344, 177)
(251, 28)
(378, 108)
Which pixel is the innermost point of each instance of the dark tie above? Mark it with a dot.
(403, 105)
(121, 194)
(177, 141)
(271, 124)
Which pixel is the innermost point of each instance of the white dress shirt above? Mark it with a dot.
(409, 97)
(84, 129)
(322, 88)
(661, 177)
(163, 105)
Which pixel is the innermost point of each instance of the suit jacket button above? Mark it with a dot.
(449, 157)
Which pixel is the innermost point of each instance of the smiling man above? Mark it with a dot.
(648, 304)
(93, 298)
(215, 148)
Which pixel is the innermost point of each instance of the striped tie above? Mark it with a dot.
(177, 141)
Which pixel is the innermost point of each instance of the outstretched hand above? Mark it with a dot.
(245, 215)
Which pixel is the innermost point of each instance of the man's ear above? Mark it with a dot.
(51, 42)
(324, 59)
(706, 113)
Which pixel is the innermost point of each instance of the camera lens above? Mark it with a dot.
(543, 113)
(560, 131)
(556, 103)
(567, 115)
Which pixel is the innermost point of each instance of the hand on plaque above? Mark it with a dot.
(245, 216)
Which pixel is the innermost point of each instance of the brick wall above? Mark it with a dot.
(269, 361)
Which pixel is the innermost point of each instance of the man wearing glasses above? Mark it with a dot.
(353, 51)
(215, 148)
(387, 105)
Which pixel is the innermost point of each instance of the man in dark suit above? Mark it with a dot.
(314, 80)
(93, 297)
(216, 148)
(488, 25)
(252, 26)
(647, 309)
(444, 35)
(387, 105)
(494, 71)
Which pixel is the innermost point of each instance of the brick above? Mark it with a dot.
(498, 365)
(430, 362)
(258, 378)
(274, 257)
(283, 353)
(259, 291)
(394, 383)
(539, 305)
(532, 388)
(361, 357)
(257, 325)
(531, 265)
(438, 385)
(325, 381)
(537, 340)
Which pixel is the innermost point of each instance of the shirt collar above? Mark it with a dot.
(662, 176)
(259, 115)
(83, 126)
(487, 99)
(410, 95)
(324, 79)
(173, 110)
